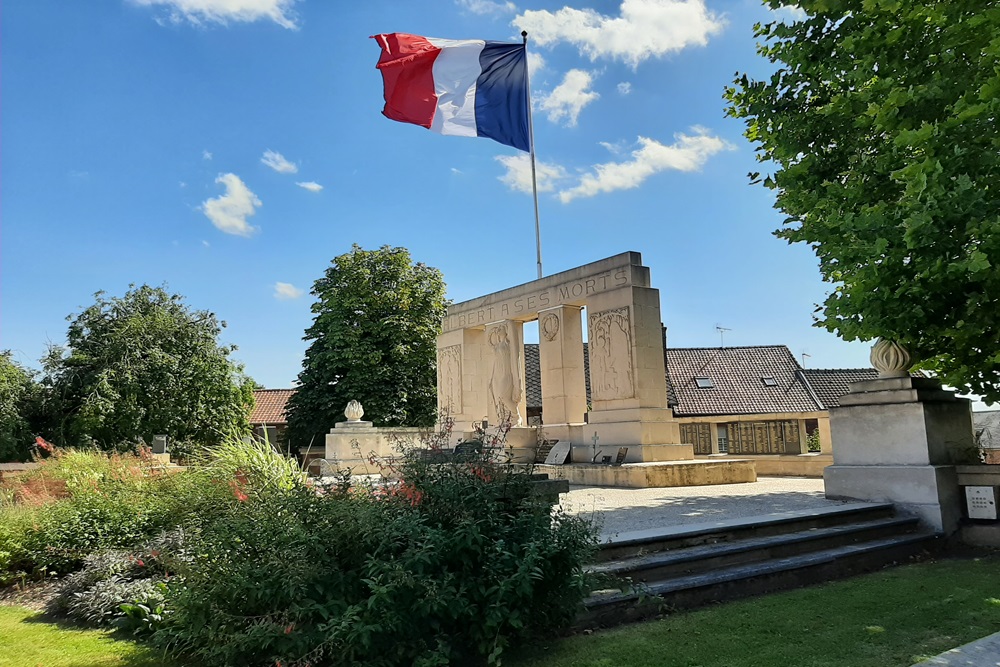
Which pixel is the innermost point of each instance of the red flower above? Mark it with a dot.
(288, 628)
(481, 474)
(139, 562)
(44, 444)
(238, 491)
(411, 493)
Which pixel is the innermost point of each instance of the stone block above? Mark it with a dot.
(655, 475)
(928, 491)
(934, 433)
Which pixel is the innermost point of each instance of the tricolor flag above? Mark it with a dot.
(468, 88)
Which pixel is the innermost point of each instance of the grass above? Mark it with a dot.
(29, 639)
(892, 618)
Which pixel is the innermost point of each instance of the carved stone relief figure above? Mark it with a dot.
(549, 326)
(450, 378)
(505, 381)
(611, 373)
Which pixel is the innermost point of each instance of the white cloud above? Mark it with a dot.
(644, 29)
(229, 212)
(200, 12)
(536, 63)
(311, 186)
(489, 7)
(206, 244)
(568, 98)
(456, 170)
(518, 176)
(277, 161)
(624, 88)
(687, 153)
(205, 155)
(790, 14)
(286, 291)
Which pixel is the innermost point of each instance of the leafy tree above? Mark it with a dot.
(881, 121)
(377, 317)
(146, 364)
(18, 396)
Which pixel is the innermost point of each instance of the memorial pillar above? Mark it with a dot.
(461, 375)
(560, 359)
(897, 439)
(628, 388)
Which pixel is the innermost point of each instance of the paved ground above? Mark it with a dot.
(624, 510)
(982, 653)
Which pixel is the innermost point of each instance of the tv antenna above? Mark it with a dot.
(804, 356)
(722, 334)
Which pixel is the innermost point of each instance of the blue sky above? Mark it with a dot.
(230, 149)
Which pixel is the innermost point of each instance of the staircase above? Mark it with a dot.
(688, 566)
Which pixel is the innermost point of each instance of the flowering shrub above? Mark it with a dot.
(444, 566)
(446, 563)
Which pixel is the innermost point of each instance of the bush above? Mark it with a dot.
(445, 566)
(79, 502)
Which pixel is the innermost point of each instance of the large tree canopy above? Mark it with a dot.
(18, 395)
(374, 339)
(146, 364)
(882, 123)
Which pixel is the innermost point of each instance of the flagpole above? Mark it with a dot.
(531, 152)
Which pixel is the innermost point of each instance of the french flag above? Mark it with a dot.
(467, 88)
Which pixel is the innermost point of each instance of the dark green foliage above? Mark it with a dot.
(445, 568)
(141, 365)
(882, 123)
(124, 587)
(19, 395)
(373, 339)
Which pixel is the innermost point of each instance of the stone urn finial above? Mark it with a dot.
(890, 359)
(354, 412)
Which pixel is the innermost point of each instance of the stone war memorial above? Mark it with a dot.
(481, 378)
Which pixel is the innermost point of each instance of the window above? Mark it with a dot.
(769, 381)
(704, 383)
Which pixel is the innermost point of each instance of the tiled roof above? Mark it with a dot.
(737, 378)
(830, 384)
(270, 406)
(532, 376)
(987, 426)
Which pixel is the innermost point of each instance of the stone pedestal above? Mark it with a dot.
(898, 440)
(350, 444)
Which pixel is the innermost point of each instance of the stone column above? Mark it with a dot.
(898, 439)
(462, 376)
(503, 366)
(627, 380)
(560, 357)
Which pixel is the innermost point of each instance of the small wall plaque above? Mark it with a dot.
(982, 501)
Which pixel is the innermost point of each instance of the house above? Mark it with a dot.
(755, 402)
(268, 416)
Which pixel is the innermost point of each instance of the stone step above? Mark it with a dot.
(728, 583)
(636, 543)
(663, 564)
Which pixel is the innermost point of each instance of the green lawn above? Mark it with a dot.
(27, 640)
(889, 619)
